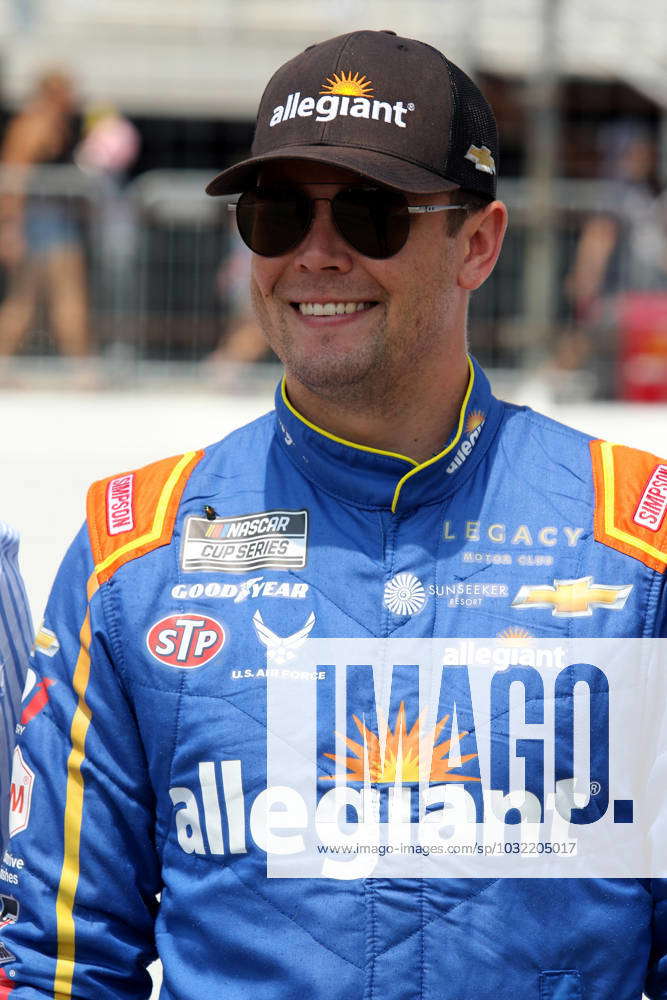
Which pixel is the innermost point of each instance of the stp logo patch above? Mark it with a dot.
(185, 641)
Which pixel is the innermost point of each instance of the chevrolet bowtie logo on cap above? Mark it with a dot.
(481, 157)
(572, 598)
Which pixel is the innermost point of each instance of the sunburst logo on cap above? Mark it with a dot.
(346, 83)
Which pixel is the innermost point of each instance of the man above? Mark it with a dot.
(40, 237)
(15, 643)
(388, 476)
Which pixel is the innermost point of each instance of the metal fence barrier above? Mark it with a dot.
(153, 252)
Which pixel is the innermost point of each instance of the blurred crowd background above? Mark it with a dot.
(116, 268)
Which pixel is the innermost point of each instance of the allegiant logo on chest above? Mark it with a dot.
(474, 425)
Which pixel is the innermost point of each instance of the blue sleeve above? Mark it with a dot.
(656, 979)
(16, 636)
(661, 616)
(81, 870)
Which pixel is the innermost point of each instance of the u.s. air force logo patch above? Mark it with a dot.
(273, 539)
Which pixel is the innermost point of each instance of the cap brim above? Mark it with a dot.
(388, 170)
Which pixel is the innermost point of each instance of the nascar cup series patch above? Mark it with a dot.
(272, 539)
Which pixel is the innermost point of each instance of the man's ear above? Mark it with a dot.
(482, 235)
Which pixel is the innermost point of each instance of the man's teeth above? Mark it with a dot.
(331, 308)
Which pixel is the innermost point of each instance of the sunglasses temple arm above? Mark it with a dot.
(427, 209)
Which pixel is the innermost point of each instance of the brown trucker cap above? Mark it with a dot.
(393, 109)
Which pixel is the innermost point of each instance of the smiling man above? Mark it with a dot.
(390, 496)
(365, 339)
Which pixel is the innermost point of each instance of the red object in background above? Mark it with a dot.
(642, 364)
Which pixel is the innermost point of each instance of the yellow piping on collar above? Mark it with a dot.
(339, 440)
(450, 447)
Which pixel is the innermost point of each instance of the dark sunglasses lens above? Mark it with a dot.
(374, 221)
(273, 221)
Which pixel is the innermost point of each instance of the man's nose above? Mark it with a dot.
(323, 247)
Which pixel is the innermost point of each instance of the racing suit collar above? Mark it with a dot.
(368, 477)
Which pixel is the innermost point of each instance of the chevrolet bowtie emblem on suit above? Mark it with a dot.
(572, 598)
(482, 158)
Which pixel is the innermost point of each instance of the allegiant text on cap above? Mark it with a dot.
(330, 106)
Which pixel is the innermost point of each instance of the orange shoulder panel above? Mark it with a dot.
(631, 502)
(134, 512)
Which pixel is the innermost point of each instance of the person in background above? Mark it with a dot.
(40, 235)
(622, 249)
(15, 644)
(243, 342)
(623, 246)
(109, 147)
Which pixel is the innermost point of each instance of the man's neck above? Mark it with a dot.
(415, 424)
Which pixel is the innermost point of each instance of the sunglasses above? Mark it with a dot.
(374, 221)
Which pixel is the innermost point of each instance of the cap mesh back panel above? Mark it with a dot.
(473, 124)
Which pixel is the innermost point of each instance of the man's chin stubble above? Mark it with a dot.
(352, 381)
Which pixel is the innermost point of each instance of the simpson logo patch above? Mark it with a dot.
(273, 539)
(652, 507)
(120, 514)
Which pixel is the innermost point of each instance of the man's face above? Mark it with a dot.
(403, 306)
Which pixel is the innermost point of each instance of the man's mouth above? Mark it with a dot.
(331, 308)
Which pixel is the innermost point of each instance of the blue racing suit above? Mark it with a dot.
(137, 772)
